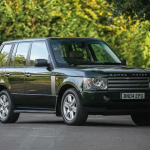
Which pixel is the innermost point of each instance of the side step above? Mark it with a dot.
(35, 111)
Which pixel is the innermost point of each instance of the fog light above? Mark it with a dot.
(106, 98)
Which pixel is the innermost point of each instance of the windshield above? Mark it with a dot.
(83, 53)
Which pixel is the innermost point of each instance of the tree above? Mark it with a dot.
(76, 18)
(137, 9)
(5, 17)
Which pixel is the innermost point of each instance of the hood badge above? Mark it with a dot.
(125, 75)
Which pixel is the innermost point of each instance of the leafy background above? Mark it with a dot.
(122, 24)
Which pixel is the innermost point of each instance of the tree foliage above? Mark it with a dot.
(137, 9)
(76, 18)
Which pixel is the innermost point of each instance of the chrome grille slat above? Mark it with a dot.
(128, 83)
(127, 89)
(134, 78)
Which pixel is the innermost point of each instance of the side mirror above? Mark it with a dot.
(123, 62)
(40, 62)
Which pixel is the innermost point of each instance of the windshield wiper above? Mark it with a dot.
(90, 64)
(73, 65)
(111, 63)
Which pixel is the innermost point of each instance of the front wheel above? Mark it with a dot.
(7, 114)
(72, 110)
(141, 119)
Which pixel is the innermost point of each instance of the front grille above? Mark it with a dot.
(128, 83)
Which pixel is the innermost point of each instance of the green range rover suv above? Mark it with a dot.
(72, 78)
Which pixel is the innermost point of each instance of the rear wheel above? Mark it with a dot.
(141, 119)
(72, 110)
(7, 114)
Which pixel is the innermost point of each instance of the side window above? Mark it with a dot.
(38, 51)
(21, 54)
(4, 54)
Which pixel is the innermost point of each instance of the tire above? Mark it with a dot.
(7, 108)
(72, 110)
(141, 119)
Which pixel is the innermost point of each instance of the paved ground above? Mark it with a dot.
(47, 132)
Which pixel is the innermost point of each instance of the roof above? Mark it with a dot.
(25, 40)
(52, 39)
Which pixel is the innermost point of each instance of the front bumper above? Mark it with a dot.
(110, 102)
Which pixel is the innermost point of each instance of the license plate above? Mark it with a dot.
(133, 96)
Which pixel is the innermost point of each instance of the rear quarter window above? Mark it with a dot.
(4, 54)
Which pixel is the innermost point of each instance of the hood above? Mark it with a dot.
(103, 70)
(116, 69)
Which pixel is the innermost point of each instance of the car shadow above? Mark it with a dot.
(41, 122)
(87, 124)
(108, 124)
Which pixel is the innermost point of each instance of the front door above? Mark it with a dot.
(38, 79)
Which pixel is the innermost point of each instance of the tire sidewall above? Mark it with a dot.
(140, 120)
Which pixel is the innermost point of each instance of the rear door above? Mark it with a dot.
(38, 79)
(14, 74)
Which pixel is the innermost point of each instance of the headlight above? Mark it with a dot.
(99, 82)
(95, 83)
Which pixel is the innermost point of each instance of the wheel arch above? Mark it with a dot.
(3, 87)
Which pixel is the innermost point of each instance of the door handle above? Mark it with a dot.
(28, 74)
(7, 74)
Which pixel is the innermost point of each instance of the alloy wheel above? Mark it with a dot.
(69, 107)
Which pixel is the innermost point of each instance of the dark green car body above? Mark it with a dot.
(40, 88)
